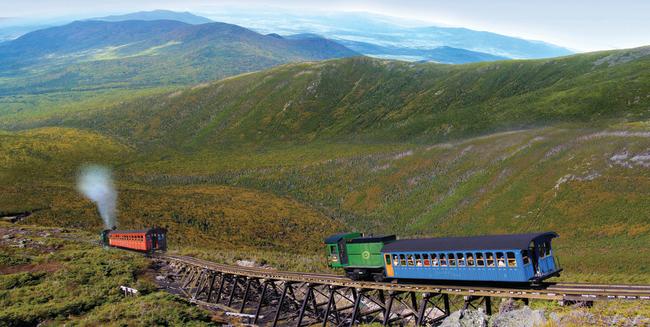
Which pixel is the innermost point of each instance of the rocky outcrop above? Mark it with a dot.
(523, 317)
(466, 318)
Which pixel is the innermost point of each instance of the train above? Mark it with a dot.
(513, 258)
(144, 240)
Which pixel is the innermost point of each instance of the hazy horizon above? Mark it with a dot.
(579, 25)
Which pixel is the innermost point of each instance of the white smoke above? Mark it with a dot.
(96, 183)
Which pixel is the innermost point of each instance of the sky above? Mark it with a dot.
(580, 25)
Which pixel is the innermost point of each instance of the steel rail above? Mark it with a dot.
(548, 291)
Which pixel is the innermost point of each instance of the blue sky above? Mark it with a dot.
(577, 24)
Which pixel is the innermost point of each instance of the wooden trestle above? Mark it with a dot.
(270, 301)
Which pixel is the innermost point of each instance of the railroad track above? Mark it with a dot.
(547, 291)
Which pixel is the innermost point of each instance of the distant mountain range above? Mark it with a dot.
(442, 54)
(368, 34)
(392, 33)
(91, 54)
(185, 17)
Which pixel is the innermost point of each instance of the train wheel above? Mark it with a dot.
(378, 277)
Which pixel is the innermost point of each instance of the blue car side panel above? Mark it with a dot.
(520, 273)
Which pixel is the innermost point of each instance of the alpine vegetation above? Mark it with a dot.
(96, 183)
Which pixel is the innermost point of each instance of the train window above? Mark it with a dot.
(402, 260)
(418, 260)
(434, 260)
(512, 261)
(427, 262)
(409, 259)
(470, 259)
(479, 260)
(443, 260)
(461, 259)
(524, 256)
(501, 261)
(490, 259)
(547, 247)
(387, 259)
(452, 260)
(542, 250)
(395, 260)
(332, 249)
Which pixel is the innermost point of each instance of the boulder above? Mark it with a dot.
(245, 263)
(466, 318)
(524, 317)
(508, 305)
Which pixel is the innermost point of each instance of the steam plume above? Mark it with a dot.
(96, 183)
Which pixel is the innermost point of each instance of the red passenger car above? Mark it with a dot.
(145, 240)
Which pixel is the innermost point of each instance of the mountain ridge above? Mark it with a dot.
(361, 98)
(159, 14)
(146, 53)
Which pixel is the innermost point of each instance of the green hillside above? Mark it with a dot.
(378, 146)
(370, 100)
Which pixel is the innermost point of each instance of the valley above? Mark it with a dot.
(239, 148)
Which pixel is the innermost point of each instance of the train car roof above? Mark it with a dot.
(487, 242)
(135, 231)
(337, 237)
(374, 239)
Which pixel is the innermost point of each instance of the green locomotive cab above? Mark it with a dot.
(359, 256)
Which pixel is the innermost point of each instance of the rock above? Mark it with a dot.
(160, 278)
(524, 317)
(46, 234)
(245, 263)
(508, 305)
(466, 318)
(7, 237)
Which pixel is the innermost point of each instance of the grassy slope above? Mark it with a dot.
(554, 178)
(64, 278)
(39, 168)
(17, 110)
(362, 99)
(387, 147)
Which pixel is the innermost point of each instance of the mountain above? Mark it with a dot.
(388, 101)
(95, 54)
(443, 54)
(487, 42)
(185, 17)
(392, 32)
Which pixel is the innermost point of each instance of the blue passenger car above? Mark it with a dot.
(494, 258)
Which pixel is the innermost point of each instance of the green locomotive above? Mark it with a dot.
(359, 256)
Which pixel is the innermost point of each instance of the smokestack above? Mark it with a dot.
(96, 184)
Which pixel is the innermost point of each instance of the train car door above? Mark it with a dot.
(343, 253)
(389, 265)
(534, 257)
